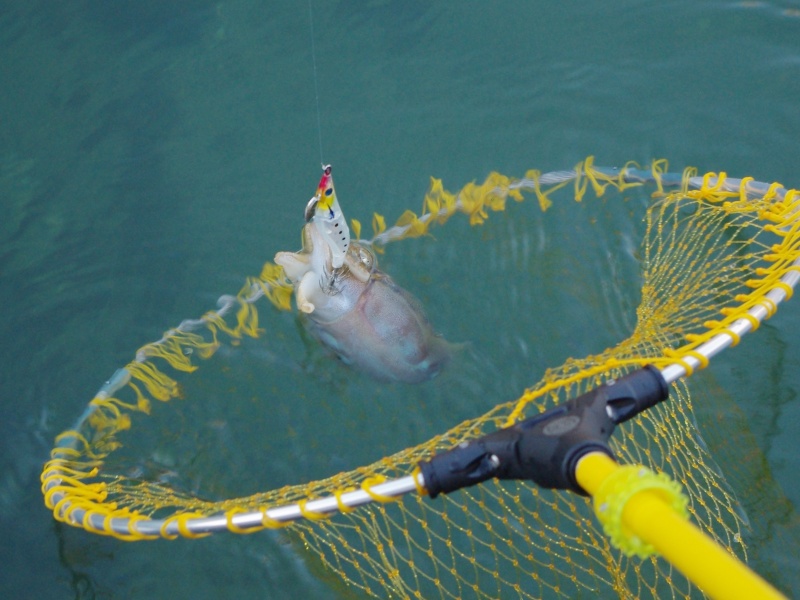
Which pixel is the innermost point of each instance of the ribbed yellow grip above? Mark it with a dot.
(652, 519)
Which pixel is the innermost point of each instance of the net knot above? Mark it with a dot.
(614, 493)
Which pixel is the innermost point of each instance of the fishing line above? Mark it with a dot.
(316, 85)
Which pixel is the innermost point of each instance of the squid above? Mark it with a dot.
(352, 307)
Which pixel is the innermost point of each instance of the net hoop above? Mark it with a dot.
(79, 504)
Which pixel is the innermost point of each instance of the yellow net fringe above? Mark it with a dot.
(709, 255)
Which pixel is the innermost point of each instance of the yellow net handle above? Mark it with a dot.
(650, 516)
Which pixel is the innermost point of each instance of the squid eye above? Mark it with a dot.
(366, 258)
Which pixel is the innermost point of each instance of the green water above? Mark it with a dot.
(152, 157)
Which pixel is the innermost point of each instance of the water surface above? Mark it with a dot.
(152, 156)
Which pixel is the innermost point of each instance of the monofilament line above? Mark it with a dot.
(316, 85)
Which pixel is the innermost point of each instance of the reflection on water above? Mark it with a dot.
(158, 155)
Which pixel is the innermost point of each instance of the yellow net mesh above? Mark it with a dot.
(709, 255)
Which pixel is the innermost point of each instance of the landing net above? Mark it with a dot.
(716, 251)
